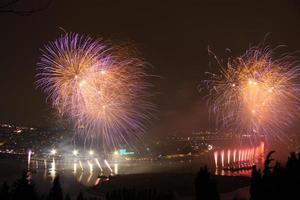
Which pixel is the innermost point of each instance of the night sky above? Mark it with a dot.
(171, 35)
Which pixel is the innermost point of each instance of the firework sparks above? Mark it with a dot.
(29, 159)
(255, 94)
(100, 87)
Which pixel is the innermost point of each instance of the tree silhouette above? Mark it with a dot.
(4, 193)
(80, 196)
(277, 182)
(67, 197)
(256, 184)
(56, 192)
(23, 188)
(205, 186)
(142, 194)
(267, 168)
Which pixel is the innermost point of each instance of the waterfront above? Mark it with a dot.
(72, 182)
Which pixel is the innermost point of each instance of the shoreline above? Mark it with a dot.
(181, 184)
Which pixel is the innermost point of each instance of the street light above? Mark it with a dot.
(75, 152)
(116, 153)
(91, 152)
(53, 152)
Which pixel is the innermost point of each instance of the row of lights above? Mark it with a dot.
(75, 152)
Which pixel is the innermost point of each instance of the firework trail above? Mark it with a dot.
(101, 88)
(255, 94)
(29, 159)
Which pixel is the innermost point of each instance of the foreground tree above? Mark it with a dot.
(23, 188)
(4, 193)
(67, 197)
(56, 192)
(139, 194)
(276, 182)
(205, 186)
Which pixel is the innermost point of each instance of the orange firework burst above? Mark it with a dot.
(255, 93)
(99, 86)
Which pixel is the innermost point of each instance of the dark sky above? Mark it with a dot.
(172, 35)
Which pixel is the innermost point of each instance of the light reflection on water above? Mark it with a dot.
(87, 176)
(233, 173)
(75, 175)
(88, 172)
(52, 170)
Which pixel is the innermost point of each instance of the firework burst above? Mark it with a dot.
(100, 87)
(256, 93)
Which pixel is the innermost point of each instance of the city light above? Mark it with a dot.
(116, 153)
(91, 152)
(209, 147)
(75, 152)
(53, 152)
